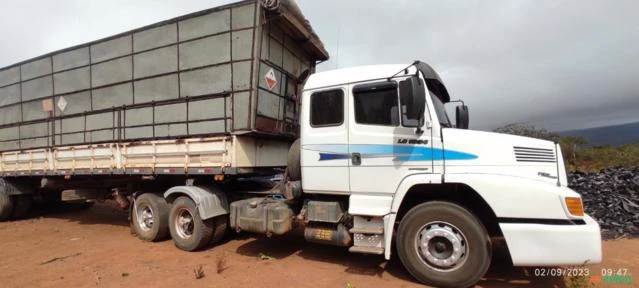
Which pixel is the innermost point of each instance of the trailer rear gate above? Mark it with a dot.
(227, 70)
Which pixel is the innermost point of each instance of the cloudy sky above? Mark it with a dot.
(557, 64)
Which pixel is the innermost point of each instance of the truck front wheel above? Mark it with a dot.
(188, 230)
(150, 217)
(444, 245)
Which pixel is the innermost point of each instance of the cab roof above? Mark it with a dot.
(353, 75)
(357, 74)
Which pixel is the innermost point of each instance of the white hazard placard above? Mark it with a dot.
(62, 103)
(270, 80)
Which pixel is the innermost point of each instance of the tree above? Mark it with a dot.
(528, 131)
(570, 146)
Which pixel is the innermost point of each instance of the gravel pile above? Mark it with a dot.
(611, 196)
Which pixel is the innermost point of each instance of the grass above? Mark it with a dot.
(578, 280)
(263, 256)
(593, 159)
(199, 272)
(221, 263)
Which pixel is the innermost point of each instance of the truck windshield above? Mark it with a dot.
(441, 111)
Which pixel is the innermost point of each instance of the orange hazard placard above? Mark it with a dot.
(270, 80)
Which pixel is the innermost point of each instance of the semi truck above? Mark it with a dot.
(217, 122)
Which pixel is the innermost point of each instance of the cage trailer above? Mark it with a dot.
(210, 95)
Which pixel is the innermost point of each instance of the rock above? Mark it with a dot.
(610, 196)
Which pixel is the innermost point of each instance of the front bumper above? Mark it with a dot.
(553, 245)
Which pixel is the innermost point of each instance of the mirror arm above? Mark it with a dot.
(457, 101)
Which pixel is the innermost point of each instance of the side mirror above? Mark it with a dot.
(461, 117)
(413, 96)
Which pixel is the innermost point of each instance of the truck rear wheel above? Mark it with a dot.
(6, 206)
(188, 230)
(444, 245)
(221, 226)
(150, 217)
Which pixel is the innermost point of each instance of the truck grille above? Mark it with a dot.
(529, 154)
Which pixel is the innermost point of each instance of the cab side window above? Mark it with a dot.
(376, 104)
(327, 108)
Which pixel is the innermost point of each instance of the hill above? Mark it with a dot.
(614, 135)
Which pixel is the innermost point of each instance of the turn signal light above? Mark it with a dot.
(574, 206)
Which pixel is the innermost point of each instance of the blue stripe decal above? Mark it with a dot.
(398, 152)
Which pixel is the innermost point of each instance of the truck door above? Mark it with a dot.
(383, 150)
(325, 142)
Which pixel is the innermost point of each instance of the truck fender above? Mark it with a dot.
(517, 197)
(210, 201)
(410, 181)
(389, 220)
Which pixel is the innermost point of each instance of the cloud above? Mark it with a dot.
(556, 64)
(511, 61)
(36, 27)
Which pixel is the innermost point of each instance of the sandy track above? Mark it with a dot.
(100, 251)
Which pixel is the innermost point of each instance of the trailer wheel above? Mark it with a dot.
(151, 217)
(444, 245)
(221, 226)
(22, 206)
(6, 206)
(188, 230)
(293, 164)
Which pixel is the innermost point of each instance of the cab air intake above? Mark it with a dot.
(530, 154)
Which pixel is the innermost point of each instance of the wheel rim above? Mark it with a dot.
(145, 217)
(441, 246)
(184, 223)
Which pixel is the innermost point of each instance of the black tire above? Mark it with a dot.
(6, 206)
(221, 226)
(192, 236)
(22, 206)
(293, 162)
(476, 244)
(150, 217)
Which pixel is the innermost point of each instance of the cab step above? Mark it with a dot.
(368, 234)
(366, 250)
(367, 230)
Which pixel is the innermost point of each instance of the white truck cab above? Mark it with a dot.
(380, 135)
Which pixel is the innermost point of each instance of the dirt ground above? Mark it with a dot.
(93, 247)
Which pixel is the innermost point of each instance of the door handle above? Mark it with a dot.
(356, 158)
